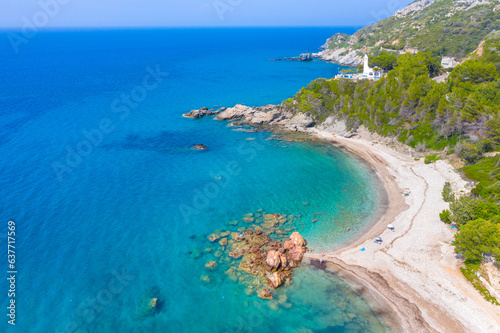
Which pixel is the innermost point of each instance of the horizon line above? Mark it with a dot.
(181, 27)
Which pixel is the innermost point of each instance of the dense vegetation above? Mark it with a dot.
(418, 111)
(445, 27)
(460, 116)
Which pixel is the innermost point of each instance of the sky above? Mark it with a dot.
(194, 13)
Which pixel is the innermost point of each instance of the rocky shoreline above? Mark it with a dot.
(275, 118)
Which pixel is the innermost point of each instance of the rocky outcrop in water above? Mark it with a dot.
(302, 57)
(269, 115)
(251, 257)
(150, 303)
(281, 119)
(202, 113)
(200, 147)
(237, 112)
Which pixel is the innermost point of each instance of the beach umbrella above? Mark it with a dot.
(390, 226)
(378, 239)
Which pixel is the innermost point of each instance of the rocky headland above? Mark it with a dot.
(278, 118)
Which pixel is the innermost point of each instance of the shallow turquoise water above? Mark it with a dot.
(116, 227)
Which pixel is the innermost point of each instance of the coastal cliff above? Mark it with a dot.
(450, 28)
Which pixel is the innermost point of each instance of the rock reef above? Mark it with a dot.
(269, 115)
(202, 112)
(251, 257)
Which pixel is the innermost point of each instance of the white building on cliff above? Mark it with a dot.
(370, 72)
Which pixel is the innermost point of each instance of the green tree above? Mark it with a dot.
(485, 210)
(476, 238)
(445, 216)
(385, 60)
(463, 210)
(447, 193)
(473, 72)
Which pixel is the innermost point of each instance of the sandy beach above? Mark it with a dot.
(415, 270)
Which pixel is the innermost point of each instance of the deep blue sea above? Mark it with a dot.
(112, 206)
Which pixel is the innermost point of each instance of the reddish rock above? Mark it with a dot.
(276, 279)
(264, 294)
(297, 239)
(283, 260)
(234, 255)
(296, 253)
(273, 259)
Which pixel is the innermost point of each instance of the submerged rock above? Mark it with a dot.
(152, 303)
(213, 237)
(264, 294)
(211, 264)
(276, 279)
(273, 305)
(205, 278)
(195, 254)
(282, 299)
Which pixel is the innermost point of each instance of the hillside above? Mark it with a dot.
(457, 119)
(443, 27)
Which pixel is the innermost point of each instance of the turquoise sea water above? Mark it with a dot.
(110, 202)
